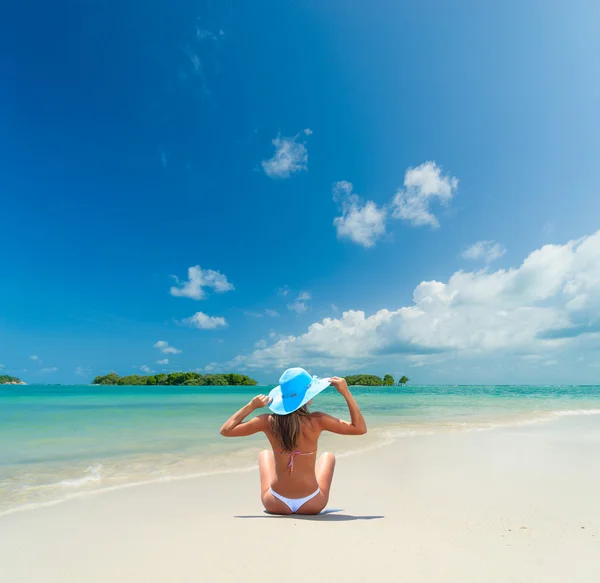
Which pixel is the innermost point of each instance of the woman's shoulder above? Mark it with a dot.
(318, 416)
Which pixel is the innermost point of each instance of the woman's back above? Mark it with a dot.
(295, 469)
(292, 480)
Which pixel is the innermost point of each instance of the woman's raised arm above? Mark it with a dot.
(235, 425)
(357, 424)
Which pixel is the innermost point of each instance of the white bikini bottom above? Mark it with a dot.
(294, 503)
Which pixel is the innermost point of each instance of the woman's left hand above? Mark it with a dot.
(260, 401)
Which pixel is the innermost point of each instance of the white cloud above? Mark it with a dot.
(164, 347)
(163, 361)
(145, 368)
(290, 157)
(363, 224)
(34, 357)
(548, 228)
(267, 312)
(203, 34)
(422, 185)
(486, 251)
(198, 279)
(283, 291)
(202, 321)
(547, 303)
(82, 371)
(194, 59)
(261, 344)
(308, 131)
(299, 305)
(50, 369)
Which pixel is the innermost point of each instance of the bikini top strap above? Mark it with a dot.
(293, 454)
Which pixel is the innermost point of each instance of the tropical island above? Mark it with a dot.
(8, 380)
(371, 380)
(230, 379)
(177, 379)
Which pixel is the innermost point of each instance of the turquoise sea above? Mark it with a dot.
(58, 442)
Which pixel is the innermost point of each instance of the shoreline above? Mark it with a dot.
(384, 435)
(500, 506)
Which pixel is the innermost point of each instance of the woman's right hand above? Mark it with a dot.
(340, 384)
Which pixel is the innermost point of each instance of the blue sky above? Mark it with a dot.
(382, 187)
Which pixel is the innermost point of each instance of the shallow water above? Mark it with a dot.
(60, 441)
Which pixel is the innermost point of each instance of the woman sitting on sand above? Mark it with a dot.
(291, 480)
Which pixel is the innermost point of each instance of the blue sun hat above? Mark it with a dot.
(296, 388)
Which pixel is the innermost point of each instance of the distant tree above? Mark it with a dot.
(388, 380)
(403, 380)
(364, 380)
(5, 379)
(176, 379)
(109, 379)
(193, 382)
(133, 380)
(234, 379)
(216, 380)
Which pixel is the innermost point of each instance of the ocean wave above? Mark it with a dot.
(94, 481)
(575, 412)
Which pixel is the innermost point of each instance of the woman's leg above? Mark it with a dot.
(324, 472)
(266, 467)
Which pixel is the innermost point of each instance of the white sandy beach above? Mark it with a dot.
(510, 505)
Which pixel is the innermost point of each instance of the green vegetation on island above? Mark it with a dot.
(8, 380)
(371, 380)
(177, 379)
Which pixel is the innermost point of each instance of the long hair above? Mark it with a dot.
(288, 428)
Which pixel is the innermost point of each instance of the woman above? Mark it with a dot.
(291, 480)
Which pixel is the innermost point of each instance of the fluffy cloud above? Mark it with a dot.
(145, 368)
(163, 361)
(34, 357)
(551, 299)
(486, 251)
(164, 347)
(267, 312)
(290, 157)
(202, 321)
(300, 305)
(198, 279)
(423, 185)
(204, 34)
(362, 224)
